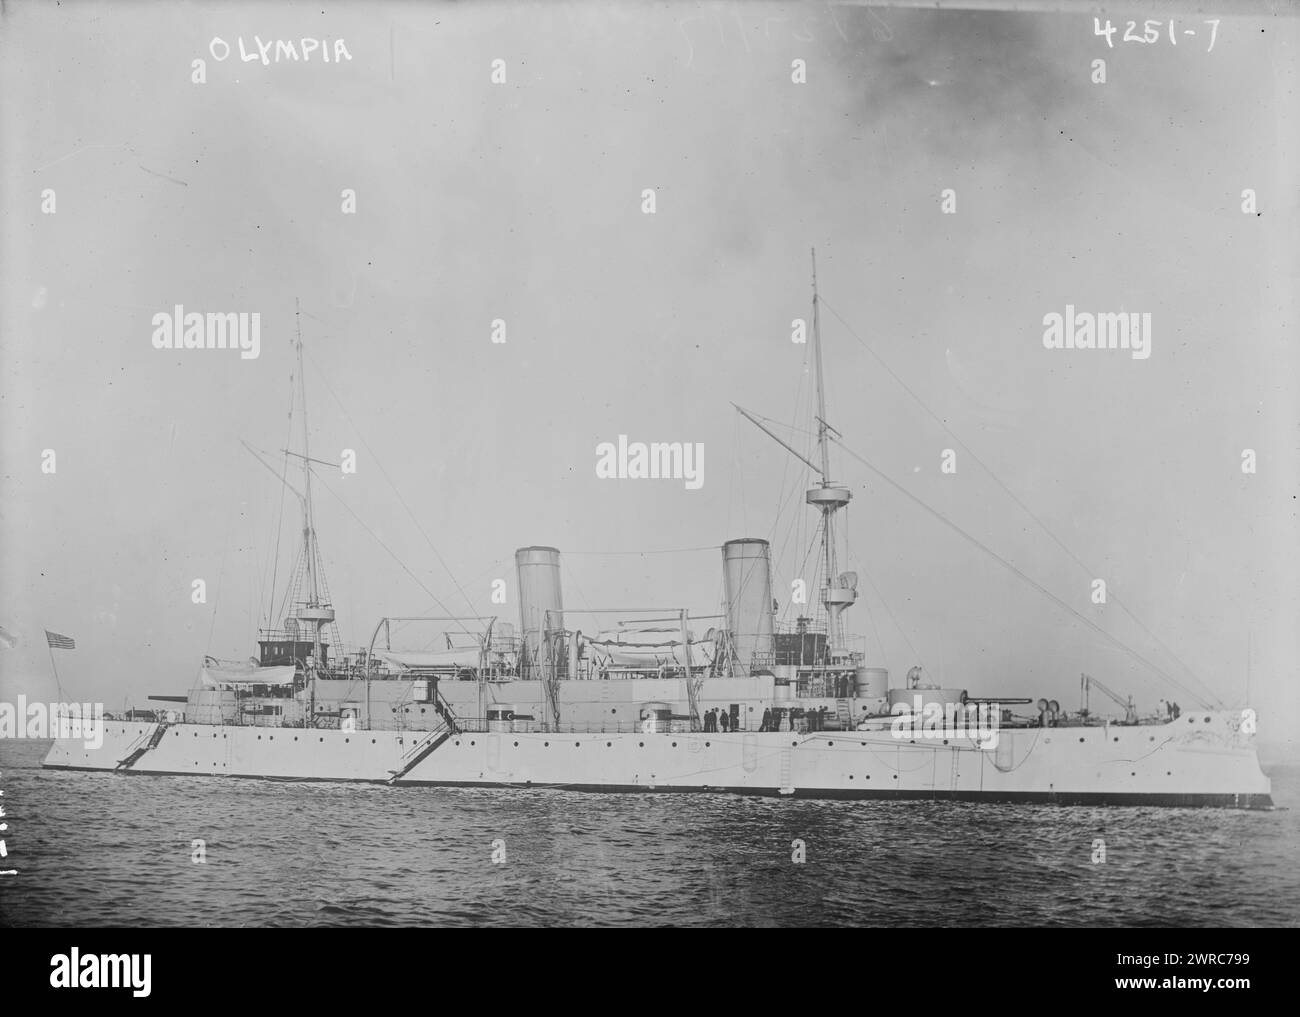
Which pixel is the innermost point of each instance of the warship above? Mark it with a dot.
(657, 698)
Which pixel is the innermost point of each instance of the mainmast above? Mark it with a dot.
(311, 612)
(838, 591)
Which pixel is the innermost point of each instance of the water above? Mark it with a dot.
(95, 849)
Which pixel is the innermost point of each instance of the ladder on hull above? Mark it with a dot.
(419, 752)
(152, 743)
(787, 782)
(427, 745)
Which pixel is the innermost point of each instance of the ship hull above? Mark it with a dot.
(1201, 760)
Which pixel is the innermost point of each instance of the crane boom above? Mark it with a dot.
(1087, 682)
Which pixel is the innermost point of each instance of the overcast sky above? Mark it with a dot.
(523, 201)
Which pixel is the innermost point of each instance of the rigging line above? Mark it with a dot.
(321, 374)
(849, 556)
(736, 481)
(736, 453)
(1038, 586)
(279, 521)
(290, 585)
(785, 464)
(1023, 507)
(808, 554)
(866, 574)
(793, 530)
(790, 533)
(665, 550)
(875, 631)
(811, 435)
(497, 566)
(221, 575)
(740, 480)
(393, 555)
(582, 596)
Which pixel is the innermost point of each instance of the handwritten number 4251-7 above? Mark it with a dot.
(1150, 32)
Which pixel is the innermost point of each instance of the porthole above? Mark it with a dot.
(707, 744)
(674, 745)
(372, 741)
(1116, 739)
(457, 741)
(295, 737)
(1207, 720)
(322, 738)
(346, 740)
(516, 745)
(259, 737)
(577, 744)
(1080, 739)
(895, 776)
(609, 745)
(546, 745)
(471, 743)
(642, 744)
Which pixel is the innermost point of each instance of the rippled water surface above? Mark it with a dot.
(95, 849)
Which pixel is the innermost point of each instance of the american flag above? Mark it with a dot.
(58, 642)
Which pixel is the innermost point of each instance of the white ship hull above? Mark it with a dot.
(1202, 759)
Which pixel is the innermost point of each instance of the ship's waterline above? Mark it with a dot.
(1200, 760)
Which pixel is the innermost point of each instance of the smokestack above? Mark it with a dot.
(747, 586)
(541, 606)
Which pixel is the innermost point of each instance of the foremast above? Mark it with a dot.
(311, 611)
(838, 591)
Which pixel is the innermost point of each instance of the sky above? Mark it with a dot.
(523, 201)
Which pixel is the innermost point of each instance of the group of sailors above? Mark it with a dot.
(714, 717)
(787, 719)
(774, 719)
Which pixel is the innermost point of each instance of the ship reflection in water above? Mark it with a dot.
(98, 849)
